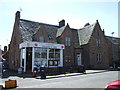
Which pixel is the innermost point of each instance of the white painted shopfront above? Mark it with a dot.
(37, 54)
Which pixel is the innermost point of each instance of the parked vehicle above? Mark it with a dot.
(115, 85)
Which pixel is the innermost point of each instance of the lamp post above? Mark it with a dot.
(113, 51)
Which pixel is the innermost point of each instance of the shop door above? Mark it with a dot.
(28, 59)
(79, 62)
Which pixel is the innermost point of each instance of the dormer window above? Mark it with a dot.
(50, 37)
(41, 39)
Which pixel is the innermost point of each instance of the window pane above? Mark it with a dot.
(55, 63)
(57, 54)
(50, 63)
(23, 53)
(41, 39)
(51, 54)
(97, 42)
(40, 57)
(54, 55)
(68, 41)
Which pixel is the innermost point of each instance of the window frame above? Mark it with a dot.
(98, 42)
(41, 39)
(67, 41)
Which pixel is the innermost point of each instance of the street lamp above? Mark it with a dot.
(112, 33)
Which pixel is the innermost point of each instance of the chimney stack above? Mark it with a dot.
(17, 15)
(62, 23)
(103, 32)
(5, 48)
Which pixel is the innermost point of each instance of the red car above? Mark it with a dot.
(115, 85)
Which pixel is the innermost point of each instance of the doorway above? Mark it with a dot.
(28, 59)
(79, 61)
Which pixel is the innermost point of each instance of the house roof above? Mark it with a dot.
(60, 31)
(114, 40)
(84, 34)
(29, 28)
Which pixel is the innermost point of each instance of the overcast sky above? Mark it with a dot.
(75, 12)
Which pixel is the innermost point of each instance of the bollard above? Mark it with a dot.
(43, 73)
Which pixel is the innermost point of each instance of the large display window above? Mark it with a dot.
(40, 57)
(54, 57)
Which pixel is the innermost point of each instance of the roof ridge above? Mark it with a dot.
(39, 22)
(113, 37)
(88, 26)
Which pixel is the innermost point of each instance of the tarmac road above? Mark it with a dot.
(95, 79)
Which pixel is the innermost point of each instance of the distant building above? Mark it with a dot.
(39, 44)
(115, 48)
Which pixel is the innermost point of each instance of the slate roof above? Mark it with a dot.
(51, 31)
(114, 40)
(29, 28)
(84, 34)
(60, 31)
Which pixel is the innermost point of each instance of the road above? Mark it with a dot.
(93, 80)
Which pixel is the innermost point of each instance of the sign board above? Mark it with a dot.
(43, 45)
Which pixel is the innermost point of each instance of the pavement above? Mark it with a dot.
(75, 74)
(15, 76)
(9, 73)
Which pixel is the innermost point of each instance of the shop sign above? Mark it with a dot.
(43, 45)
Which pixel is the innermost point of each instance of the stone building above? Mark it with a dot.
(34, 43)
(94, 47)
(115, 51)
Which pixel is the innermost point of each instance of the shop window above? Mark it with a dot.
(67, 41)
(50, 63)
(40, 57)
(53, 63)
(54, 56)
